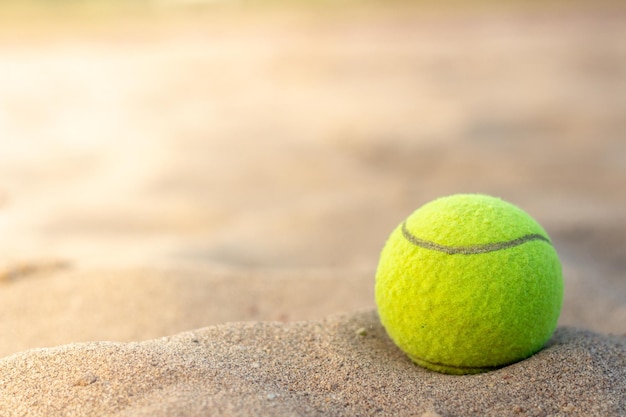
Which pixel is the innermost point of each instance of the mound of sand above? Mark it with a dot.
(342, 366)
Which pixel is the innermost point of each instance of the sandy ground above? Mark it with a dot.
(247, 170)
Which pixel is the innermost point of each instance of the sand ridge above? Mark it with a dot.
(340, 366)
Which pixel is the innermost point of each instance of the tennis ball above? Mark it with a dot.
(469, 283)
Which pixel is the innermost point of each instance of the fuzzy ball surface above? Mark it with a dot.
(469, 283)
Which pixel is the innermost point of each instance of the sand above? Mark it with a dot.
(329, 367)
(191, 210)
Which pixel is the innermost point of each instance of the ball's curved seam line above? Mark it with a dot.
(469, 250)
(474, 368)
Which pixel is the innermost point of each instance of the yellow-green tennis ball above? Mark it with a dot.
(469, 283)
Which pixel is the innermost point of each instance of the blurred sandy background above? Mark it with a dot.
(171, 165)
